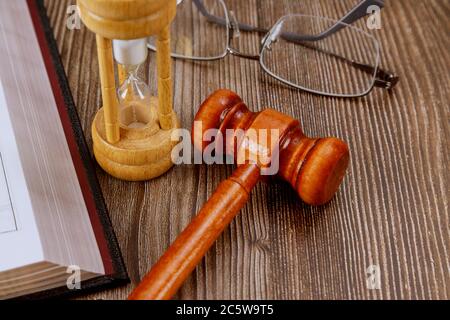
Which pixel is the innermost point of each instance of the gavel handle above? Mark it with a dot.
(177, 263)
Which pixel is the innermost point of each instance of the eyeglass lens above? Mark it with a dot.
(321, 64)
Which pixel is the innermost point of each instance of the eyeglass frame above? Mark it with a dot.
(381, 78)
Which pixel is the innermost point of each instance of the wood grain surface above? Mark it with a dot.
(392, 210)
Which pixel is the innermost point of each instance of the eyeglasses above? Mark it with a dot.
(311, 53)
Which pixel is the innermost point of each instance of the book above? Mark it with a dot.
(55, 233)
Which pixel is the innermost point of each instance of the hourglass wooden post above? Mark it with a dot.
(127, 152)
(108, 86)
(164, 78)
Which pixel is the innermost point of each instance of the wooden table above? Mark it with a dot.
(391, 212)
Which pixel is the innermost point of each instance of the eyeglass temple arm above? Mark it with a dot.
(383, 78)
(358, 12)
(221, 21)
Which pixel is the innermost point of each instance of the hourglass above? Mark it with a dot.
(132, 132)
(133, 93)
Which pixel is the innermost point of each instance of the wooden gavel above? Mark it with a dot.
(314, 167)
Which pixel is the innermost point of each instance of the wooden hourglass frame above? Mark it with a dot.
(133, 154)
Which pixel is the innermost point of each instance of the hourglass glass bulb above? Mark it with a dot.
(133, 94)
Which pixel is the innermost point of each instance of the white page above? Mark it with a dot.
(61, 215)
(19, 243)
(7, 215)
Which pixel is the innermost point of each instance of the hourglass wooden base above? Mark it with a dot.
(141, 154)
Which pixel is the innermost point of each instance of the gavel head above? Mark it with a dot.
(315, 168)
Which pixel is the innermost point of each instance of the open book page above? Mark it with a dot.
(60, 213)
(19, 239)
(7, 215)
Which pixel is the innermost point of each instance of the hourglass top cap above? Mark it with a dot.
(315, 168)
(127, 19)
